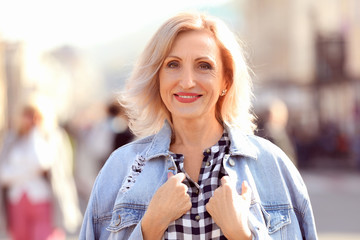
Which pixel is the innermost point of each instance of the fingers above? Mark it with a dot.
(180, 193)
(224, 180)
(180, 176)
(177, 179)
(246, 191)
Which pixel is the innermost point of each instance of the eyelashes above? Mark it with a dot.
(205, 66)
(173, 64)
(201, 65)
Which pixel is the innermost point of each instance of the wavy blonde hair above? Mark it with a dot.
(141, 97)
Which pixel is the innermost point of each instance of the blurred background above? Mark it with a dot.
(70, 58)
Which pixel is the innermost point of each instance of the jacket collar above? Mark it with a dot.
(240, 144)
(160, 143)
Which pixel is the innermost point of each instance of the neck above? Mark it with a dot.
(199, 133)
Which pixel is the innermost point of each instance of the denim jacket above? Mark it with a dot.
(280, 206)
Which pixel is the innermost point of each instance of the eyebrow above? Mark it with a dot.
(196, 59)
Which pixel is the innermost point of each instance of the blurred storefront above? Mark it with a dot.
(10, 75)
(303, 52)
(306, 54)
(10, 80)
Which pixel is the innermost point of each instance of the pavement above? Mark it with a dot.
(335, 198)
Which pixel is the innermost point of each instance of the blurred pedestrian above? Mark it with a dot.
(67, 211)
(24, 172)
(95, 141)
(276, 128)
(355, 148)
(118, 126)
(199, 173)
(36, 167)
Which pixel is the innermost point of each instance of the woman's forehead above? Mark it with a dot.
(195, 42)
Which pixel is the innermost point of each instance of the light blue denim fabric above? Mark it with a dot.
(280, 206)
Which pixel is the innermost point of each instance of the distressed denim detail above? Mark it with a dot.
(135, 171)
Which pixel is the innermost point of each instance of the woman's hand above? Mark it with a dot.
(230, 210)
(169, 203)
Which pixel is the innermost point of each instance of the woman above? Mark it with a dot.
(200, 173)
(25, 162)
(36, 170)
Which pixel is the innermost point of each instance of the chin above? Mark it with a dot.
(187, 115)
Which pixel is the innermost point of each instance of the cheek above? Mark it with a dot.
(166, 82)
(165, 88)
(162, 82)
(214, 82)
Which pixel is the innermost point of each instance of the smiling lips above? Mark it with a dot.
(187, 97)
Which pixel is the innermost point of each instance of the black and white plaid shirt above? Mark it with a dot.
(197, 223)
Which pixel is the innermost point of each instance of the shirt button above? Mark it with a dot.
(197, 191)
(207, 164)
(197, 218)
(208, 150)
(231, 162)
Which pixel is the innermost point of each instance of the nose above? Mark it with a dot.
(187, 80)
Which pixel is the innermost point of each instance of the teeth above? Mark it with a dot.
(187, 96)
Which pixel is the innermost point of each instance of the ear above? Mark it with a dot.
(226, 83)
(228, 78)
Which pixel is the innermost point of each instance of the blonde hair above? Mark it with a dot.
(141, 97)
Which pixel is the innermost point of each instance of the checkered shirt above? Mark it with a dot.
(197, 223)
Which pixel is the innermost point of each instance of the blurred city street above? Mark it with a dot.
(304, 58)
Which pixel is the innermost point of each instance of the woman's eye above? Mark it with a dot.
(205, 66)
(173, 64)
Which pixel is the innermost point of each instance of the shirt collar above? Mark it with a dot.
(240, 144)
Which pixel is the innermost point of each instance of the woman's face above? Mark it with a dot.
(191, 77)
(27, 121)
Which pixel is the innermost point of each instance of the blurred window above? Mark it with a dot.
(330, 58)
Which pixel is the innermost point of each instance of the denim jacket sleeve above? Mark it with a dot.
(308, 222)
(87, 229)
(280, 206)
(96, 226)
(301, 201)
(88, 226)
(101, 220)
(304, 212)
(284, 220)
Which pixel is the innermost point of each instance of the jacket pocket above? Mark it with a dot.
(126, 215)
(276, 216)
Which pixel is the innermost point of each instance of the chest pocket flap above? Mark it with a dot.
(126, 215)
(276, 216)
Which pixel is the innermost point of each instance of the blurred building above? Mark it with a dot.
(306, 53)
(2, 92)
(10, 80)
(10, 68)
(61, 75)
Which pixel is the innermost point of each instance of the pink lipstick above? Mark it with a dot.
(187, 97)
